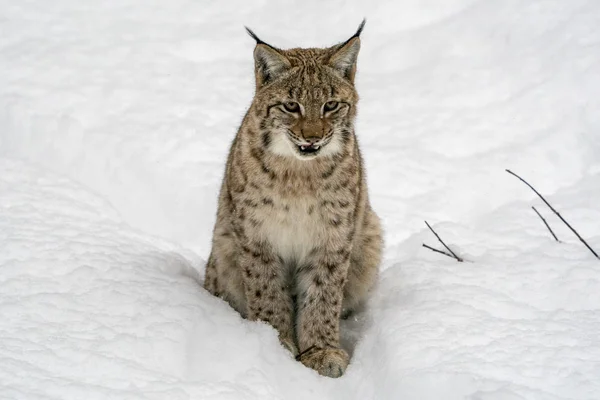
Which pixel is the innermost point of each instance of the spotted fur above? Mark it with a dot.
(296, 242)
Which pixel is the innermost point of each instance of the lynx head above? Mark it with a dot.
(305, 98)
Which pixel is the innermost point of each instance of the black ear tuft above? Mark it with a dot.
(360, 28)
(253, 35)
(358, 31)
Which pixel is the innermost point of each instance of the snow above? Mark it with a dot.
(115, 118)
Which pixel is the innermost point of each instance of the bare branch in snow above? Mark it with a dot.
(438, 251)
(442, 242)
(545, 223)
(555, 212)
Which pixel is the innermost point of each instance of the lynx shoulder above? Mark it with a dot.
(296, 242)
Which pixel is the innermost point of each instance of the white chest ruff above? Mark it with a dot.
(293, 231)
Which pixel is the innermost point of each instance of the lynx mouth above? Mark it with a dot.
(309, 149)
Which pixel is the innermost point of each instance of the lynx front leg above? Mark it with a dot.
(267, 297)
(321, 285)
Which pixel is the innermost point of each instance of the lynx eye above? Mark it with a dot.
(291, 106)
(330, 106)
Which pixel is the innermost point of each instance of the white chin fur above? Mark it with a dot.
(283, 146)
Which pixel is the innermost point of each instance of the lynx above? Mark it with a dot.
(296, 243)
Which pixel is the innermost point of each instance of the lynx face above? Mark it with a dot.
(306, 98)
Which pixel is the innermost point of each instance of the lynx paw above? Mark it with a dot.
(331, 362)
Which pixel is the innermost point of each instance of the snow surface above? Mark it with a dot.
(115, 118)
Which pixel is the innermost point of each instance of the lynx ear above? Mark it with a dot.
(345, 55)
(269, 63)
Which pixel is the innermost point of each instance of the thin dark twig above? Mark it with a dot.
(299, 356)
(442, 242)
(545, 223)
(555, 212)
(437, 251)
